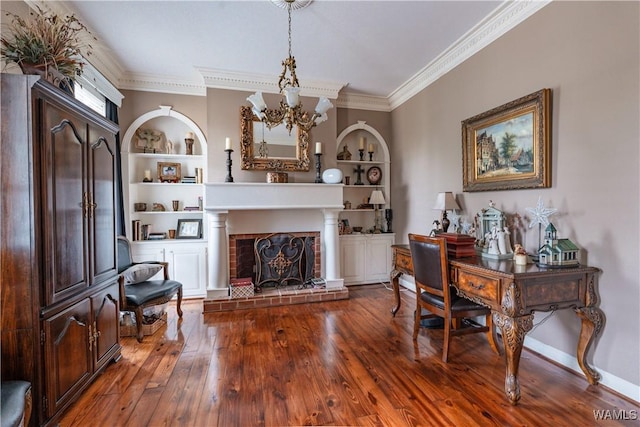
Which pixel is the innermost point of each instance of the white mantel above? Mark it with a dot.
(223, 199)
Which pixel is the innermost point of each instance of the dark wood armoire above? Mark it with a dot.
(60, 296)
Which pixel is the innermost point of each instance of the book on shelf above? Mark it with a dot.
(156, 236)
(135, 229)
(188, 179)
(191, 208)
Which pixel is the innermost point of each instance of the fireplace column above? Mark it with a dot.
(218, 253)
(331, 244)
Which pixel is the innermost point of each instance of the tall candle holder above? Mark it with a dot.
(318, 168)
(229, 178)
(370, 156)
(361, 150)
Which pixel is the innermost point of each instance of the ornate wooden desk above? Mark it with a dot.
(513, 293)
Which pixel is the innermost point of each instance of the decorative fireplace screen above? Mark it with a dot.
(283, 259)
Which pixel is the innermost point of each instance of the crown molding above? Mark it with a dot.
(159, 83)
(505, 17)
(363, 102)
(223, 79)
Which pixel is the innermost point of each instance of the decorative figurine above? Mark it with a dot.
(557, 252)
(345, 154)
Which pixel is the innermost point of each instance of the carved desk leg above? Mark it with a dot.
(592, 318)
(591, 326)
(513, 331)
(395, 275)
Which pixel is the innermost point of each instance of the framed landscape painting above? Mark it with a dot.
(508, 147)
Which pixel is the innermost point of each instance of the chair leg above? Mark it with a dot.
(447, 337)
(491, 334)
(179, 303)
(417, 317)
(139, 317)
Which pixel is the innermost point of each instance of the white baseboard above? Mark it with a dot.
(622, 386)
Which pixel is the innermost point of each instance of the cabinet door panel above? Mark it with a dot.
(106, 317)
(187, 265)
(379, 259)
(67, 355)
(352, 260)
(102, 189)
(64, 191)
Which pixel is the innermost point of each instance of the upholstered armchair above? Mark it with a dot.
(137, 291)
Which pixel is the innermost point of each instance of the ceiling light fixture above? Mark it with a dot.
(290, 109)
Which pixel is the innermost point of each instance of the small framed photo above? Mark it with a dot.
(189, 229)
(169, 172)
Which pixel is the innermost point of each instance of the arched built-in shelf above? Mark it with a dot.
(186, 257)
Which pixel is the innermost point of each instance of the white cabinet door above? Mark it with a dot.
(187, 262)
(141, 252)
(352, 262)
(366, 258)
(188, 265)
(379, 256)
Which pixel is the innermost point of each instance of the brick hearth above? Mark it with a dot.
(271, 297)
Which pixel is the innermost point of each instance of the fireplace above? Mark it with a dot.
(275, 259)
(264, 208)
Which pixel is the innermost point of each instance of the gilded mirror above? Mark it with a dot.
(271, 149)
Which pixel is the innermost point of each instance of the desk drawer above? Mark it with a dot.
(484, 288)
(403, 263)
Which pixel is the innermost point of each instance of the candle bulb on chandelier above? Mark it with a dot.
(227, 144)
(318, 147)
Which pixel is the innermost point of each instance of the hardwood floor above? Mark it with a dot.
(343, 363)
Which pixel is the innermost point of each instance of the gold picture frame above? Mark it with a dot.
(508, 147)
(169, 172)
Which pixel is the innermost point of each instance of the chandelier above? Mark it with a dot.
(290, 110)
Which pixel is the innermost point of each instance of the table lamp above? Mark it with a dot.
(377, 198)
(445, 202)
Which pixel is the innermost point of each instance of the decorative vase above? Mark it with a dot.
(50, 74)
(332, 176)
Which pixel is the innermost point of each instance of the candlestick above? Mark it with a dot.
(318, 147)
(361, 151)
(227, 144)
(229, 178)
(318, 166)
(371, 156)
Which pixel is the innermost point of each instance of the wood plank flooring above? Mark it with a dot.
(341, 363)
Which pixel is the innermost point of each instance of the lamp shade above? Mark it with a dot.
(377, 198)
(446, 202)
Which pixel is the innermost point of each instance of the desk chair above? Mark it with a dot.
(137, 292)
(435, 294)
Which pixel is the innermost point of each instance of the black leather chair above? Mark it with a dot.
(136, 297)
(434, 293)
(16, 403)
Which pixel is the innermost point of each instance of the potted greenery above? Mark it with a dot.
(48, 45)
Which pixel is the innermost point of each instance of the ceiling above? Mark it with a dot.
(361, 49)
